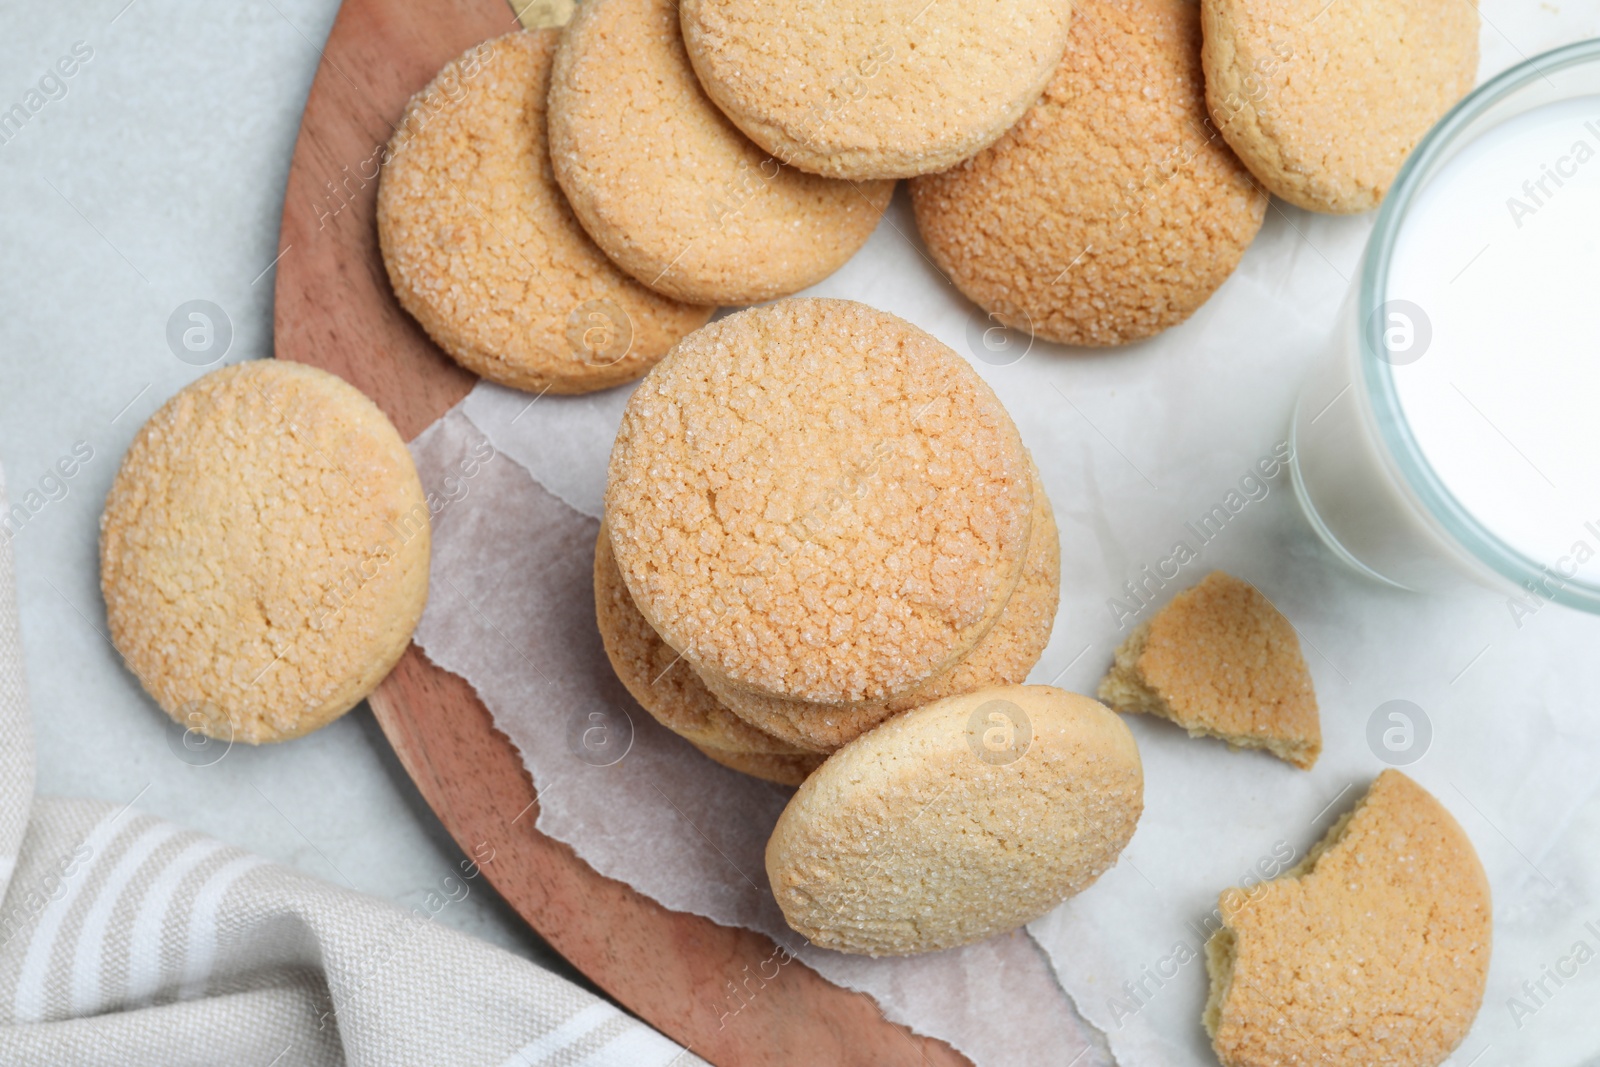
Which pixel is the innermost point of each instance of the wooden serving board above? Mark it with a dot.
(334, 310)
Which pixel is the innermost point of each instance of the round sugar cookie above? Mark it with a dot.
(668, 187)
(962, 819)
(1374, 949)
(816, 499)
(264, 551)
(1003, 656)
(659, 679)
(482, 249)
(770, 766)
(882, 89)
(1323, 102)
(1111, 211)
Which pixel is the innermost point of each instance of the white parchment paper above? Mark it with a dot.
(1135, 446)
(512, 610)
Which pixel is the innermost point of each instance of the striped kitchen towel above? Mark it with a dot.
(127, 940)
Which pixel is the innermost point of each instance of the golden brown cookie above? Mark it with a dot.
(818, 500)
(264, 551)
(669, 188)
(1323, 102)
(964, 818)
(1374, 949)
(771, 766)
(660, 679)
(1221, 661)
(1003, 656)
(1111, 211)
(482, 249)
(889, 89)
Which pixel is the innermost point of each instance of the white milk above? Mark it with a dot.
(1467, 441)
(1500, 251)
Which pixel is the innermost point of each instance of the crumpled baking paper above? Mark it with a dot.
(511, 609)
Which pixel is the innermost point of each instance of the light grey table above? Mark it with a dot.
(151, 176)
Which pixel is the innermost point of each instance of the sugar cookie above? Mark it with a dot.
(264, 551)
(1323, 102)
(1374, 949)
(669, 188)
(889, 89)
(818, 500)
(1221, 661)
(1111, 211)
(964, 818)
(659, 679)
(1003, 656)
(482, 249)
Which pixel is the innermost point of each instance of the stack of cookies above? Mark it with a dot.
(818, 516)
(827, 559)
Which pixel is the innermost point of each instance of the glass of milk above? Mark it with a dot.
(1454, 431)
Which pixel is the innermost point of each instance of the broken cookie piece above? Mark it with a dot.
(1221, 661)
(1374, 949)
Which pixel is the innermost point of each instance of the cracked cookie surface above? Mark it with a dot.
(264, 551)
(662, 681)
(1111, 211)
(1003, 656)
(484, 252)
(885, 89)
(671, 190)
(1323, 102)
(816, 499)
